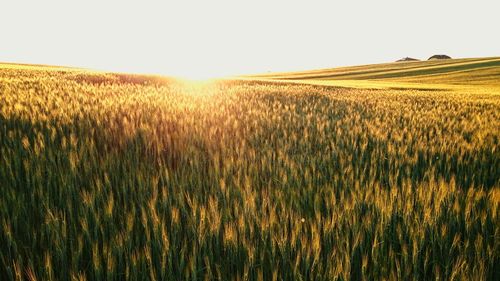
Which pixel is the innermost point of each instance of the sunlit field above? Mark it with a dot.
(109, 176)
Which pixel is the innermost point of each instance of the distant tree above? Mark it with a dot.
(408, 59)
(439, 57)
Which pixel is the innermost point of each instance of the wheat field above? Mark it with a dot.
(107, 176)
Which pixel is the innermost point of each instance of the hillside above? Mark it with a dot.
(419, 74)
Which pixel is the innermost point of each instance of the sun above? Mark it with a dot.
(199, 74)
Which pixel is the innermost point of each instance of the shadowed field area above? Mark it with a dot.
(107, 176)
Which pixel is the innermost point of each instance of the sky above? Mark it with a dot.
(203, 39)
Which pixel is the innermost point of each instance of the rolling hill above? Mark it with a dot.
(435, 74)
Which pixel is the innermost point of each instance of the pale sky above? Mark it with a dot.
(213, 38)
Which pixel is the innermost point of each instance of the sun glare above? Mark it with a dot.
(197, 75)
(194, 74)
